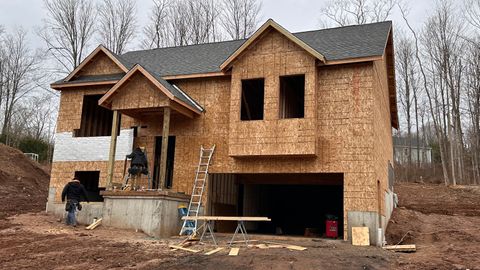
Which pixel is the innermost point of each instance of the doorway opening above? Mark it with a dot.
(90, 180)
(170, 162)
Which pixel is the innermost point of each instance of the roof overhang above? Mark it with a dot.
(270, 24)
(107, 98)
(389, 54)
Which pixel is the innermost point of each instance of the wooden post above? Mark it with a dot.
(163, 155)
(113, 147)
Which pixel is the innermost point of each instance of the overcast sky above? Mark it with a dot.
(294, 15)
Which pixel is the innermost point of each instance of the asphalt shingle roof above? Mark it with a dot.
(334, 43)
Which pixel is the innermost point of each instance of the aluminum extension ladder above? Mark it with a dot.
(201, 176)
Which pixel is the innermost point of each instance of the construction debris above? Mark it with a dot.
(401, 248)
(95, 224)
(360, 236)
(182, 248)
(214, 251)
(234, 252)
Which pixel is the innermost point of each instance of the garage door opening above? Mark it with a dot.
(298, 204)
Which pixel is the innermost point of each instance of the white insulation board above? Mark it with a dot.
(69, 148)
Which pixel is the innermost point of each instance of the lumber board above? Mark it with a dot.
(294, 247)
(234, 252)
(214, 251)
(182, 248)
(94, 224)
(227, 218)
(360, 236)
(401, 248)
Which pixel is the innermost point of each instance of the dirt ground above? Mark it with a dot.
(443, 222)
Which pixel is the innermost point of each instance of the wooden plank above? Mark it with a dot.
(227, 218)
(163, 154)
(234, 251)
(113, 147)
(401, 248)
(182, 248)
(214, 251)
(360, 236)
(296, 247)
(94, 224)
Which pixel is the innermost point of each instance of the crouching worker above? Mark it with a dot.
(138, 165)
(74, 191)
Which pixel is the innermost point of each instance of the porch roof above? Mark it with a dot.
(173, 93)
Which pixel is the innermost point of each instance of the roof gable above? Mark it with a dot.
(101, 59)
(171, 92)
(270, 24)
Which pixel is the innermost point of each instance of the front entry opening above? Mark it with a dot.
(298, 204)
(170, 162)
(90, 180)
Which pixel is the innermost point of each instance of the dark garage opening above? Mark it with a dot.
(298, 204)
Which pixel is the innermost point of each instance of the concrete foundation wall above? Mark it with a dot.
(154, 216)
(364, 219)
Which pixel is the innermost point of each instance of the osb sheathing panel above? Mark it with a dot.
(383, 149)
(138, 93)
(272, 56)
(63, 172)
(343, 135)
(71, 102)
(100, 64)
(351, 131)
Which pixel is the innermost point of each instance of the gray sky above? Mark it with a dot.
(294, 15)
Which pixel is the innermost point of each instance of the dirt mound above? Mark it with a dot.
(23, 183)
(440, 199)
(443, 223)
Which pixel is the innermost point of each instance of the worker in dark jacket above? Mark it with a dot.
(138, 165)
(74, 191)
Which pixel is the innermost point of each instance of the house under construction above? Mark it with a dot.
(302, 124)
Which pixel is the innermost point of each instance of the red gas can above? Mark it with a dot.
(331, 228)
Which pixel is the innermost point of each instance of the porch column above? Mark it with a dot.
(163, 155)
(113, 147)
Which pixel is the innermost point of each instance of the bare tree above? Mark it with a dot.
(348, 12)
(240, 18)
(156, 32)
(117, 23)
(472, 12)
(67, 30)
(20, 64)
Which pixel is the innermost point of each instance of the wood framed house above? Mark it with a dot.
(302, 124)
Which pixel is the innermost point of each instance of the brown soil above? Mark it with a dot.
(443, 222)
(23, 184)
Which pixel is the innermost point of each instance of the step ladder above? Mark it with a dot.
(201, 177)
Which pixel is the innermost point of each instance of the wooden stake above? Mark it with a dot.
(113, 148)
(163, 155)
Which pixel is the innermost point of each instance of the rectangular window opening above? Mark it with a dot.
(253, 92)
(292, 96)
(90, 180)
(96, 120)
